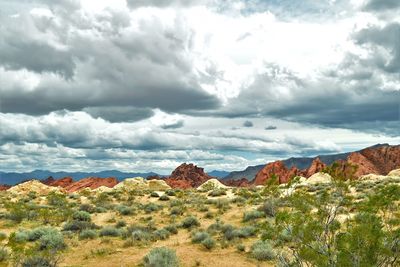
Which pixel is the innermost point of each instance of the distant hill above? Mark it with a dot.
(12, 178)
(218, 174)
(300, 162)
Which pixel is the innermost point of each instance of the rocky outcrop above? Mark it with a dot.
(62, 182)
(378, 159)
(33, 186)
(4, 187)
(187, 176)
(92, 183)
(277, 169)
(139, 183)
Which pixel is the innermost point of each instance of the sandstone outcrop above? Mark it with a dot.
(187, 176)
(92, 183)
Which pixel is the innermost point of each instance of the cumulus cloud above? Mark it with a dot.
(248, 124)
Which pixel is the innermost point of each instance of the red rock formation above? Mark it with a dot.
(4, 187)
(277, 168)
(316, 166)
(187, 176)
(243, 182)
(380, 159)
(62, 182)
(92, 183)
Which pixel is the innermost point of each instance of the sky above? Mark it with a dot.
(144, 85)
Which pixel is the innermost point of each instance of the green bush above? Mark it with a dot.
(141, 235)
(172, 229)
(110, 231)
(152, 207)
(241, 248)
(4, 254)
(208, 243)
(170, 193)
(164, 198)
(52, 241)
(154, 194)
(120, 224)
(38, 261)
(269, 207)
(161, 234)
(176, 211)
(217, 192)
(190, 222)
(161, 257)
(88, 234)
(81, 215)
(124, 210)
(198, 237)
(88, 208)
(262, 251)
(252, 215)
(78, 226)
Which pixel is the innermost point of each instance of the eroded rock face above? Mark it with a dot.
(377, 160)
(62, 182)
(278, 169)
(92, 183)
(4, 187)
(187, 176)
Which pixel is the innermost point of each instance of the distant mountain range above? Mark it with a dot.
(301, 163)
(12, 178)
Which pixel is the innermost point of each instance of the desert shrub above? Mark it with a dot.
(88, 234)
(154, 194)
(241, 248)
(209, 215)
(38, 261)
(19, 237)
(252, 215)
(52, 241)
(78, 226)
(140, 235)
(164, 198)
(81, 215)
(37, 233)
(161, 234)
(161, 257)
(217, 192)
(88, 208)
(4, 254)
(208, 243)
(198, 237)
(120, 224)
(176, 211)
(124, 210)
(190, 222)
(3, 236)
(170, 193)
(172, 229)
(176, 203)
(244, 232)
(57, 199)
(151, 207)
(262, 251)
(110, 231)
(269, 207)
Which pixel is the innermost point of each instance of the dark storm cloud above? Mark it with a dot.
(175, 125)
(120, 114)
(143, 69)
(270, 127)
(388, 38)
(248, 124)
(379, 5)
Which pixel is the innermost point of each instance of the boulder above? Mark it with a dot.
(319, 178)
(33, 186)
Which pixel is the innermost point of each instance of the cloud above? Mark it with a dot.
(165, 3)
(270, 127)
(100, 61)
(248, 124)
(378, 5)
